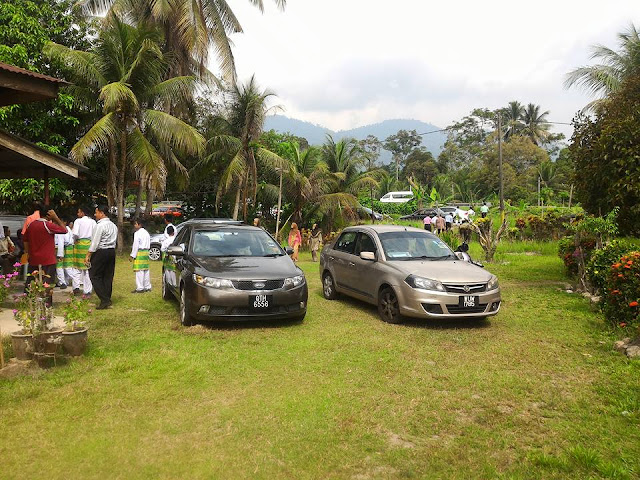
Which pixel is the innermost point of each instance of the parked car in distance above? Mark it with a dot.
(366, 213)
(397, 197)
(233, 272)
(162, 210)
(406, 272)
(421, 213)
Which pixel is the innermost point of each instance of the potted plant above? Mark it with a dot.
(74, 337)
(35, 315)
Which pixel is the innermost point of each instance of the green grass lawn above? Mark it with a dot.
(536, 392)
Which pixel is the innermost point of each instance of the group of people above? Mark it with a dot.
(79, 252)
(295, 240)
(442, 223)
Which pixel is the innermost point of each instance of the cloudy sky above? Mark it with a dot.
(347, 63)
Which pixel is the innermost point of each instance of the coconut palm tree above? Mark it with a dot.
(190, 28)
(237, 144)
(125, 71)
(513, 119)
(304, 179)
(535, 124)
(606, 77)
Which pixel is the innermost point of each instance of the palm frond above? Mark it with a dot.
(168, 129)
(83, 66)
(118, 97)
(96, 139)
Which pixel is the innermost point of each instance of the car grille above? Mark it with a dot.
(473, 288)
(251, 284)
(458, 310)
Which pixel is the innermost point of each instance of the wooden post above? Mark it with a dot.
(570, 195)
(46, 186)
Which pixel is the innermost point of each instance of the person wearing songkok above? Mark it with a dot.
(140, 257)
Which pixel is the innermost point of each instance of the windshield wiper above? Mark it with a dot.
(274, 255)
(446, 257)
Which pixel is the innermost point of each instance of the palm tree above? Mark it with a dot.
(304, 179)
(606, 77)
(513, 116)
(346, 178)
(237, 144)
(535, 124)
(190, 29)
(125, 70)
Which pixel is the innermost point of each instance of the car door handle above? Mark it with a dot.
(351, 264)
(331, 258)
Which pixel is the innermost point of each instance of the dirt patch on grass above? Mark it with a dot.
(19, 368)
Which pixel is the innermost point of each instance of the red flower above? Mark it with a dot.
(615, 292)
(622, 324)
(616, 265)
(633, 304)
(620, 275)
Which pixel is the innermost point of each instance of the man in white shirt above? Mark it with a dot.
(140, 257)
(83, 229)
(101, 256)
(168, 222)
(448, 219)
(167, 262)
(65, 269)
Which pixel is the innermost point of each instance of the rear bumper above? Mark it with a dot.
(208, 304)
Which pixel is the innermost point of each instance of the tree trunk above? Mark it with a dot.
(150, 198)
(136, 212)
(120, 189)
(245, 194)
(236, 207)
(112, 171)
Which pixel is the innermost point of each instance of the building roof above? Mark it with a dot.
(18, 85)
(20, 158)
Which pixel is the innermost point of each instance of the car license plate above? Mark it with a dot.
(260, 302)
(469, 301)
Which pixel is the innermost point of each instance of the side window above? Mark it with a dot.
(346, 243)
(365, 244)
(387, 196)
(183, 239)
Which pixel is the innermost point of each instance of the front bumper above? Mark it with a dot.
(418, 303)
(210, 304)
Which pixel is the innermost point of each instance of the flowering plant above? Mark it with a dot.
(32, 311)
(6, 280)
(76, 311)
(622, 291)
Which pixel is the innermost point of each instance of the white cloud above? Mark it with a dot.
(345, 63)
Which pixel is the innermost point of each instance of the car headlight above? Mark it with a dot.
(493, 283)
(212, 282)
(293, 282)
(424, 283)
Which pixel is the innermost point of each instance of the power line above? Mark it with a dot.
(451, 128)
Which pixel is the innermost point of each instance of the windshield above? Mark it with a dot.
(411, 245)
(234, 243)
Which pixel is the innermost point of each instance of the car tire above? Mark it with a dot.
(185, 317)
(166, 293)
(329, 287)
(388, 306)
(154, 253)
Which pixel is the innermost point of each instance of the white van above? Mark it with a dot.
(397, 197)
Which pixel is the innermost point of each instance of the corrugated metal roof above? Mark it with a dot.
(21, 71)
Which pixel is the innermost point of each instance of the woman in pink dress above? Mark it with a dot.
(295, 240)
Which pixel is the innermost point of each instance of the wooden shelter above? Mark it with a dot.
(18, 157)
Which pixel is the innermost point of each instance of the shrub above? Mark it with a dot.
(569, 252)
(622, 291)
(598, 267)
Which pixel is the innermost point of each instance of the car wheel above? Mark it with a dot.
(329, 287)
(155, 253)
(166, 293)
(388, 307)
(185, 317)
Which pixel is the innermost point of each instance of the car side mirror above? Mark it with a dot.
(289, 250)
(175, 250)
(460, 256)
(371, 256)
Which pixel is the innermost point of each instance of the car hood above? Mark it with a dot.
(445, 271)
(246, 268)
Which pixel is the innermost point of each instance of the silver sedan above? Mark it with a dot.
(406, 272)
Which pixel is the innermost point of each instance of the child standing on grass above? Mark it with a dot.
(140, 257)
(167, 263)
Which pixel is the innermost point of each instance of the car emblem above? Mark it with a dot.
(259, 284)
(466, 288)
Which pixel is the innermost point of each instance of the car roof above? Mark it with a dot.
(382, 228)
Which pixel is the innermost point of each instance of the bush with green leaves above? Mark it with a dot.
(598, 267)
(621, 302)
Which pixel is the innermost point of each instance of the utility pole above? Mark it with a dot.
(500, 164)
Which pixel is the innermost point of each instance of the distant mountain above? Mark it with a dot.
(315, 134)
